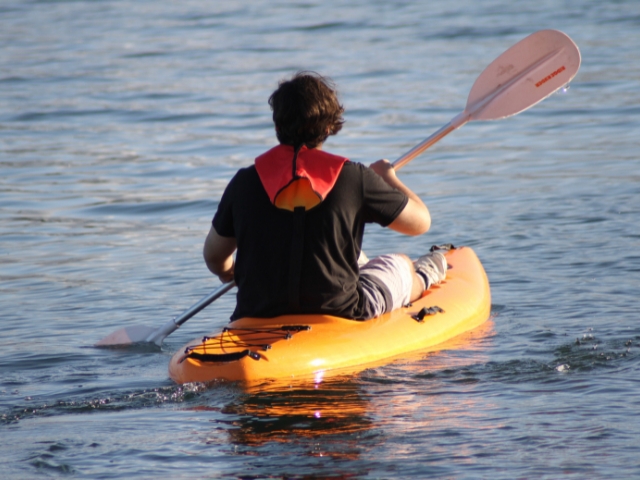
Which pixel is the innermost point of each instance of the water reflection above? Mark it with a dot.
(338, 409)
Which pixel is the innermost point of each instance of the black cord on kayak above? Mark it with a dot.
(444, 246)
(236, 338)
(425, 312)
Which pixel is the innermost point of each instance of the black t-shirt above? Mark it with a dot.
(333, 233)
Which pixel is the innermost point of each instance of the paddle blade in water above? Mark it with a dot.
(524, 75)
(127, 336)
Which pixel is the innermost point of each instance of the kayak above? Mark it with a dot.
(297, 346)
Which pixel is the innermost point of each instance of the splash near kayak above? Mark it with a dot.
(253, 349)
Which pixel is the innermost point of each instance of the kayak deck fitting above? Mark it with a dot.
(254, 349)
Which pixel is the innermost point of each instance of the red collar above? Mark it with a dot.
(303, 182)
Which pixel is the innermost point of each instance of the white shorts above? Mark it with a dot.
(387, 281)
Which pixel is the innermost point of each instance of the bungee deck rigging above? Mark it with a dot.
(240, 338)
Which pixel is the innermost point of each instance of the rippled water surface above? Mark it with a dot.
(121, 123)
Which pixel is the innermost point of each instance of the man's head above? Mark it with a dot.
(306, 110)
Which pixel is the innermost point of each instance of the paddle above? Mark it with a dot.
(142, 333)
(524, 75)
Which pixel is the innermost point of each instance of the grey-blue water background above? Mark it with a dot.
(122, 121)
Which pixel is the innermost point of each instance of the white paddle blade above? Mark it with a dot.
(524, 75)
(127, 336)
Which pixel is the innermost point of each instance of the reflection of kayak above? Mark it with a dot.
(304, 345)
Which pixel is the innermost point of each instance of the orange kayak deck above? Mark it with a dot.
(253, 349)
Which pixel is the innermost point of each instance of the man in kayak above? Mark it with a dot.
(297, 216)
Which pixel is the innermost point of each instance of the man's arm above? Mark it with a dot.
(415, 218)
(217, 252)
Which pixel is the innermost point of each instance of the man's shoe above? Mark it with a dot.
(432, 267)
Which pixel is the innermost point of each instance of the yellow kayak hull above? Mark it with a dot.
(293, 346)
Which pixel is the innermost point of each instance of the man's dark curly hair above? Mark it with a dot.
(306, 110)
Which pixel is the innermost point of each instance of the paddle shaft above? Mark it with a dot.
(204, 303)
(159, 335)
(454, 124)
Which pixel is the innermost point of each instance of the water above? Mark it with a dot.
(121, 123)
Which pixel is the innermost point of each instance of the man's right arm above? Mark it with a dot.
(415, 218)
